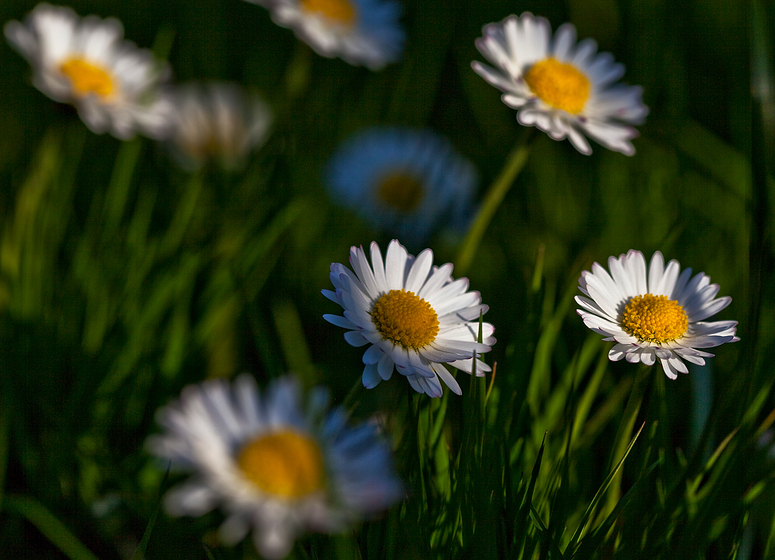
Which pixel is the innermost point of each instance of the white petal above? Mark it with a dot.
(647, 356)
(385, 367)
(395, 263)
(379, 268)
(668, 369)
(709, 309)
(656, 270)
(355, 338)
(619, 351)
(373, 354)
(419, 271)
(668, 282)
(371, 377)
(447, 378)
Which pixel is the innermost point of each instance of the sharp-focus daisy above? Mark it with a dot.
(361, 32)
(656, 314)
(563, 88)
(217, 121)
(86, 62)
(412, 315)
(275, 464)
(405, 181)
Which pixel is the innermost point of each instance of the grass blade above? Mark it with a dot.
(53, 529)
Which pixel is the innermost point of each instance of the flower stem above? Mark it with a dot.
(624, 432)
(495, 194)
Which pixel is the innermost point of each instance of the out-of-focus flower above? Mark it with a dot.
(562, 87)
(86, 62)
(278, 464)
(653, 315)
(412, 315)
(217, 121)
(406, 181)
(361, 32)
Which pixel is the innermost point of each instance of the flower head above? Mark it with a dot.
(564, 88)
(412, 315)
(218, 121)
(403, 180)
(86, 62)
(275, 463)
(361, 32)
(659, 314)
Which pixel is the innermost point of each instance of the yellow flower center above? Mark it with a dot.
(284, 463)
(400, 191)
(405, 319)
(87, 78)
(339, 11)
(559, 85)
(653, 318)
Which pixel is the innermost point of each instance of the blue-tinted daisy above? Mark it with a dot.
(217, 121)
(403, 180)
(361, 32)
(86, 62)
(565, 88)
(655, 314)
(277, 464)
(412, 316)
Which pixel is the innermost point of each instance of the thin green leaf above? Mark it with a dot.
(139, 553)
(53, 529)
(586, 518)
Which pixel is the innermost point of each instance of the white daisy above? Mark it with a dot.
(276, 465)
(219, 121)
(86, 62)
(361, 32)
(413, 316)
(403, 180)
(656, 314)
(563, 88)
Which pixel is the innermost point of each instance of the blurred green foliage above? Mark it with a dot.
(122, 279)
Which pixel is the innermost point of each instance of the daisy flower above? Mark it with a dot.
(411, 315)
(87, 63)
(654, 314)
(564, 88)
(276, 464)
(218, 121)
(361, 32)
(403, 180)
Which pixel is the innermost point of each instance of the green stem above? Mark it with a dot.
(624, 433)
(117, 193)
(495, 194)
(353, 396)
(298, 72)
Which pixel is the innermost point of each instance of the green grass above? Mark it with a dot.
(123, 279)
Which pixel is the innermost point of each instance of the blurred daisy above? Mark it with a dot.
(217, 121)
(562, 87)
(361, 32)
(656, 314)
(275, 464)
(86, 62)
(403, 180)
(413, 316)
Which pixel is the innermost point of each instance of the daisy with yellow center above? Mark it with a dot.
(413, 316)
(564, 88)
(405, 181)
(86, 62)
(276, 464)
(217, 121)
(653, 314)
(361, 32)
